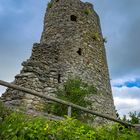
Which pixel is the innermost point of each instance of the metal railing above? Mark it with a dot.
(68, 104)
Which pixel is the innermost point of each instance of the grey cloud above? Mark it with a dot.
(121, 24)
(20, 25)
(126, 99)
(132, 93)
(2, 89)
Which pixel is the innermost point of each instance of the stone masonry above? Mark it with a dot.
(71, 45)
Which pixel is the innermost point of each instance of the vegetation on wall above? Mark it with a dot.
(4, 112)
(87, 11)
(75, 91)
(105, 40)
(50, 4)
(95, 36)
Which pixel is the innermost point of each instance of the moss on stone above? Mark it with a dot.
(95, 36)
(50, 4)
(87, 11)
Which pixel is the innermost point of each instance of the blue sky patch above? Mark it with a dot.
(130, 84)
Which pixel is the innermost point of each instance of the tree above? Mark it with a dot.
(134, 117)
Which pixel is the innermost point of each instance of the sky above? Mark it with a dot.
(21, 25)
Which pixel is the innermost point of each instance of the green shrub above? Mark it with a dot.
(50, 4)
(95, 36)
(87, 11)
(105, 40)
(134, 117)
(74, 91)
(116, 132)
(4, 111)
(19, 126)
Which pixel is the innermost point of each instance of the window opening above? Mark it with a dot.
(79, 51)
(73, 18)
(59, 78)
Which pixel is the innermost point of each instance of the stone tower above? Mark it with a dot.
(71, 45)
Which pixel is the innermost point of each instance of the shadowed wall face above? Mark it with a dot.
(71, 45)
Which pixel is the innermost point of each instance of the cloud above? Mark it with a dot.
(120, 22)
(127, 105)
(126, 92)
(21, 25)
(2, 90)
(126, 99)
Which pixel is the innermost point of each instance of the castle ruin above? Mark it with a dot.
(71, 45)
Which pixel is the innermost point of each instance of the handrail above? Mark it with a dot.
(69, 104)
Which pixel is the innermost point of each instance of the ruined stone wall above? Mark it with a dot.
(75, 35)
(71, 45)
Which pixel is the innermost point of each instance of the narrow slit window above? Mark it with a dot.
(73, 18)
(59, 78)
(56, 58)
(79, 51)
